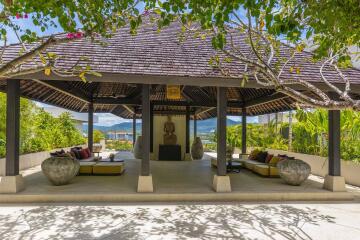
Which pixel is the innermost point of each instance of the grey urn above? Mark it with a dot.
(294, 172)
(138, 148)
(197, 149)
(60, 170)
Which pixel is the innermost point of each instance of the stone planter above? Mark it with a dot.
(294, 172)
(197, 149)
(138, 148)
(60, 170)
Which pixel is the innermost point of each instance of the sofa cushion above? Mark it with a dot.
(76, 153)
(253, 154)
(261, 157)
(108, 168)
(273, 172)
(89, 159)
(268, 158)
(273, 162)
(86, 167)
(261, 169)
(249, 164)
(88, 152)
(83, 154)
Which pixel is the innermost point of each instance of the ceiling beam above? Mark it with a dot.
(60, 87)
(265, 99)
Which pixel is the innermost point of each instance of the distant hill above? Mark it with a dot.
(203, 126)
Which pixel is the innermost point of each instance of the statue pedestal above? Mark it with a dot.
(169, 152)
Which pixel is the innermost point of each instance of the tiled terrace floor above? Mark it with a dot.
(173, 181)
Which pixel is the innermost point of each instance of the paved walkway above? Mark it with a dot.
(182, 221)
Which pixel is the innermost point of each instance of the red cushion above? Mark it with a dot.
(88, 152)
(83, 154)
(268, 158)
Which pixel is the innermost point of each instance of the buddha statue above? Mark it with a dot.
(169, 129)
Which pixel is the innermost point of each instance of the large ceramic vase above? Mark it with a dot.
(60, 170)
(294, 172)
(138, 148)
(197, 149)
(97, 147)
(229, 152)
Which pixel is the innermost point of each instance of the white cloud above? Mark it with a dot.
(108, 119)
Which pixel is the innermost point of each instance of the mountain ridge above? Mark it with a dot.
(203, 126)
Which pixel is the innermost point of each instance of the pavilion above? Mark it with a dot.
(135, 71)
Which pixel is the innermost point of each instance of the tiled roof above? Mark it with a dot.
(153, 53)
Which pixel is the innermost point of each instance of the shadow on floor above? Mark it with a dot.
(166, 222)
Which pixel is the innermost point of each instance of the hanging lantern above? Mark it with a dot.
(173, 92)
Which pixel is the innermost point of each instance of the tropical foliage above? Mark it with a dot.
(119, 145)
(309, 134)
(98, 135)
(39, 130)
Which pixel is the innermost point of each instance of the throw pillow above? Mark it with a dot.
(72, 154)
(83, 154)
(77, 154)
(88, 152)
(261, 157)
(273, 162)
(268, 158)
(253, 154)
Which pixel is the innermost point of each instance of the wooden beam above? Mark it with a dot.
(195, 126)
(116, 101)
(129, 109)
(151, 128)
(243, 132)
(217, 81)
(221, 131)
(91, 126)
(12, 127)
(187, 132)
(334, 143)
(134, 128)
(58, 86)
(145, 161)
(264, 99)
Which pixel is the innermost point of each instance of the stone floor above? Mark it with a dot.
(291, 221)
(182, 177)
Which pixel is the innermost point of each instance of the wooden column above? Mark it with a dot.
(195, 126)
(12, 127)
(145, 118)
(187, 141)
(90, 126)
(243, 132)
(134, 128)
(151, 127)
(221, 131)
(334, 143)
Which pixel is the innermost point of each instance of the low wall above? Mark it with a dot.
(319, 165)
(30, 160)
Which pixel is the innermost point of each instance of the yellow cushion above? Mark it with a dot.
(274, 161)
(108, 168)
(261, 169)
(86, 167)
